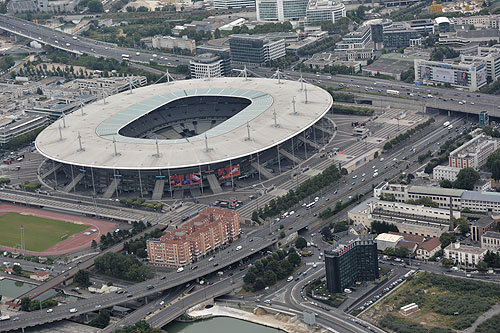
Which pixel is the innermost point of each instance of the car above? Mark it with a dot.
(129, 295)
(251, 240)
(180, 269)
(239, 247)
(15, 319)
(347, 291)
(194, 267)
(163, 278)
(355, 176)
(150, 286)
(49, 310)
(211, 258)
(73, 310)
(162, 302)
(216, 264)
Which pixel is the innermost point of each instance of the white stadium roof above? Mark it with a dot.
(100, 123)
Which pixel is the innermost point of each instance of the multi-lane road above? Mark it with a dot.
(80, 45)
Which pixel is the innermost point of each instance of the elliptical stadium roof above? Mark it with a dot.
(100, 124)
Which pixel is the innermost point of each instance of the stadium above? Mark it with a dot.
(185, 138)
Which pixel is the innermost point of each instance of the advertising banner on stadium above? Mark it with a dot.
(462, 78)
(443, 75)
(183, 180)
(228, 172)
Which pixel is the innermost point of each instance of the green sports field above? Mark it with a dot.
(39, 233)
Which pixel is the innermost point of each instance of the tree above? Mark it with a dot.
(17, 269)
(401, 252)
(102, 319)
(446, 183)
(25, 304)
(94, 244)
(426, 201)
(382, 227)
(293, 258)
(466, 179)
(82, 278)
(446, 239)
(282, 234)
(447, 262)
(249, 278)
(463, 225)
(259, 285)
(326, 233)
(300, 243)
(389, 251)
(482, 266)
(255, 216)
(95, 6)
(35, 305)
(269, 278)
(375, 155)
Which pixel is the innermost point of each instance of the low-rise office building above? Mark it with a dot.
(488, 55)
(490, 241)
(409, 219)
(234, 4)
(255, 50)
(355, 40)
(385, 240)
(171, 43)
(350, 263)
(12, 128)
(464, 255)
(206, 65)
(280, 10)
(445, 172)
(397, 37)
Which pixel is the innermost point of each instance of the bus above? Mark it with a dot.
(125, 57)
(393, 92)
(310, 205)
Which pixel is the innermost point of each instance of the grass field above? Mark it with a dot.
(39, 233)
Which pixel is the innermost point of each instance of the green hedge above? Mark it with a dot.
(342, 109)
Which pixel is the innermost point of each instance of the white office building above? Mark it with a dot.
(445, 172)
(206, 65)
(474, 153)
(324, 10)
(356, 40)
(281, 10)
(489, 55)
(232, 4)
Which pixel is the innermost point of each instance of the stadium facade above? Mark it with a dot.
(201, 136)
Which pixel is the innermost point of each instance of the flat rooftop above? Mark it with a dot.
(100, 123)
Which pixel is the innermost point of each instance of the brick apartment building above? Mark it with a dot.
(210, 229)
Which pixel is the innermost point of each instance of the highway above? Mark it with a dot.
(80, 45)
(442, 98)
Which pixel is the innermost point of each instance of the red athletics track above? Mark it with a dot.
(74, 243)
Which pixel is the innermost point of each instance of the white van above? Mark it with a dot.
(180, 269)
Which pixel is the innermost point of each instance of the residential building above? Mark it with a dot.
(206, 65)
(464, 255)
(428, 248)
(397, 37)
(490, 240)
(385, 240)
(409, 219)
(324, 10)
(356, 40)
(11, 128)
(480, 227)
(470, 76)
(479, 21)
(211, 229)
(473, 153)
(463, 35)
(281, 10)
(223, 52)
(445, 172)
(234, 4)
(171, 43)
(255, 50)
(354, 54)
(349, 263)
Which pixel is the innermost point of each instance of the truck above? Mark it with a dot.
(393, 92)
(305, 253)
(446, 124)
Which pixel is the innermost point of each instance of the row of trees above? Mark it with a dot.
(339, 206)
(268, 270)
(140, 202)
(400, 252)
(466, 179)
(139, 327)
(111, 239)
(493, 165)
(6, 62)
(406, 135)
(380, 227)
(305, 189)
(323, 45)
(426, 201)
(126, 267)
(138, 246)
(355, 110)
(28, 304)
(441, 53)
(23, 139)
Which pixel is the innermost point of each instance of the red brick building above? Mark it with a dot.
(210, 229)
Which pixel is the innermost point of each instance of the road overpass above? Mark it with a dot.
(80, 45)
